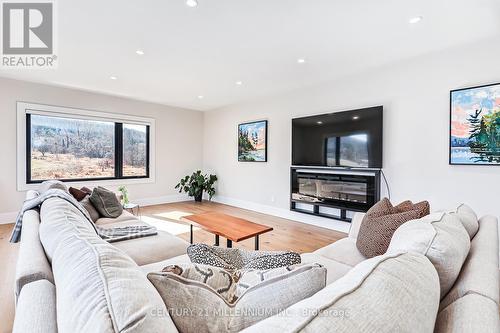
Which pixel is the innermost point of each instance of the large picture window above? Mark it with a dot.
(82, 149)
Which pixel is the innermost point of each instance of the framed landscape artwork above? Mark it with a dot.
(252, 141)
(475, 125)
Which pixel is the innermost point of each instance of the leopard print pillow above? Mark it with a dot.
(233, 259)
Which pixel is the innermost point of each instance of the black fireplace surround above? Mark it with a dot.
(343, 189)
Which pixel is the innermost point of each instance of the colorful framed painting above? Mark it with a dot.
(252, 141)
(475, 125)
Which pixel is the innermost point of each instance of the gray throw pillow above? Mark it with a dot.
(106, 202)
(89, 207)
(203, 298)
(232, 259)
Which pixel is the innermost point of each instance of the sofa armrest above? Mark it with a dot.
(355, 224)
(36, 308)
(32, 264)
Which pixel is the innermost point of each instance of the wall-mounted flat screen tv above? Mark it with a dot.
(340, 139)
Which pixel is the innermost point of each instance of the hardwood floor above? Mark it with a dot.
(8, 257)
(287, 235)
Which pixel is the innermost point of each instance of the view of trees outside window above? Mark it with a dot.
(63, 148)
(134, 150)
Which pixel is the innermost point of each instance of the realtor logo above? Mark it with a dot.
(28, 34)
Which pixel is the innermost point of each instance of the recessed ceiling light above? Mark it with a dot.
(192, 3)
(319, 122)
(239, 83)
(113, 77)
(200, 96)
(140, 52)
(355, 117)
(301, 60)
(415, 19)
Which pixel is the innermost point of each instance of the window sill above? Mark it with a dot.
(93, 183)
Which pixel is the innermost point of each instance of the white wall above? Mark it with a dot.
(179, 134)
(415, 96)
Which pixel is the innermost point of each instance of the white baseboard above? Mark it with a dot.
(162, 200)
(10, 217)
(342, 226)
(7, 218)
(286, 214)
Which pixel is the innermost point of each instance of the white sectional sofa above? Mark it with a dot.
(70, 280)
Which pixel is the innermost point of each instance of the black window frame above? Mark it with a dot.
(118, 137)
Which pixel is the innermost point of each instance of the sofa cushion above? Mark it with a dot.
(159, 265)
(145, 250)
(197, 307)
(344, 251)
(124, 217)
(36, 308)
(335, 270)
(355, 225)
(232, 259)
(106, 202)
(152, 249)
(468, 218)
(479, 274)
(471, 313)
(381, 221)
(99, 288)
(390, 293)
(441, 238)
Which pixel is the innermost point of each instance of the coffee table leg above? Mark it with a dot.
(229, 243)
(191, 233)
(216, 240)
(257, 243)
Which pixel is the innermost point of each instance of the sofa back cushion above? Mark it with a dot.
(479, 274)
(58, 219)
(468, 218)
(396, 292)
(471, 313)
(205, 299)
(51, 184)
(441, 238)
(89, 207)
(98, 287)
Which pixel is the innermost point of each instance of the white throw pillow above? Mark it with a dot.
(202, 299)
(440, 237)
(468, 218)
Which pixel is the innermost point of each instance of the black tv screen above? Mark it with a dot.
(340, 139)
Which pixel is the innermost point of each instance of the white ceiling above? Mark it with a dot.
(205, 50)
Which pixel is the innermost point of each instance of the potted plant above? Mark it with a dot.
(196, 184)
(123, 190)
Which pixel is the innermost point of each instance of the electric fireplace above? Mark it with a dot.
(343, 190)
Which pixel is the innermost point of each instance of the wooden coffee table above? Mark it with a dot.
(232, 228)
